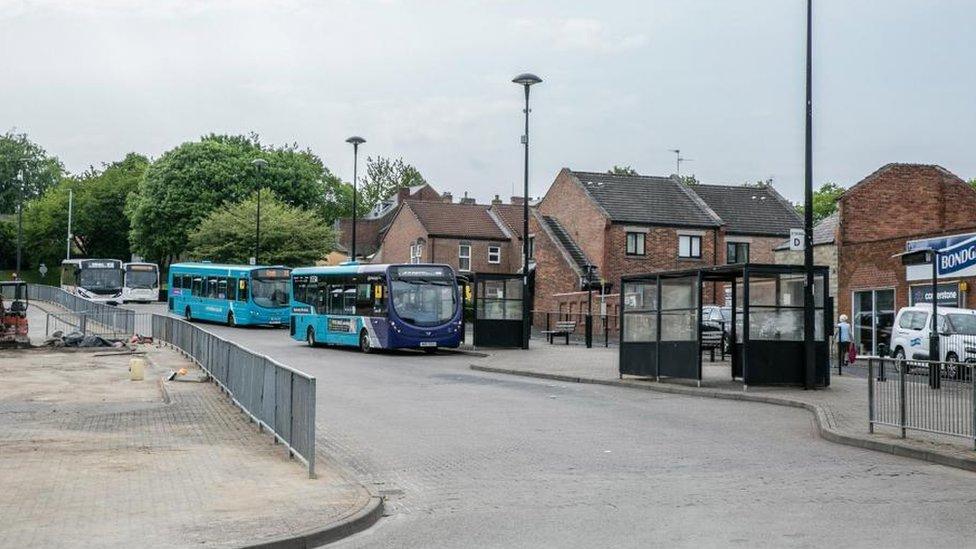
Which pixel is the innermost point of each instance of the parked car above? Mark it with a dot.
(957, 335)
(716, 327)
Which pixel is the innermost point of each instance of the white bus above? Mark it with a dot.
(94, 279)
(140, 283)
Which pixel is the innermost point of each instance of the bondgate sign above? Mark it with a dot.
(957, 257)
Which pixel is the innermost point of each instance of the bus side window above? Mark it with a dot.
(198, 286)
(379, 299)
(177, 281)
(242, 290)
(335, 299)
(364, 299)
(221, 288)
(231, 289)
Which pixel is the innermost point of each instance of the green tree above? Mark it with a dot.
(8, 245)
(187, 183)
(824, 201)
(384, 177)
(622, 170)
(100, 225)
(41, 171)
(689, 180)
(972, 183)
(289, 235)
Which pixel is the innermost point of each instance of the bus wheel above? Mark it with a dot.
(364, 344)
(230, 320)
(310, 337)
(187, 315)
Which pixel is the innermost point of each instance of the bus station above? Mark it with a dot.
(661, 323)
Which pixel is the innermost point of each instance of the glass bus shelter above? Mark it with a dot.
(661, 322)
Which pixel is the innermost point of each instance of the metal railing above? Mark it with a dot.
(278, 398)
(901, 394)
(88, 324)
(112, 318)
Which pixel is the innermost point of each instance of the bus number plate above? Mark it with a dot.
(428, 344)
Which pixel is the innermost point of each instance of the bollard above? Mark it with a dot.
(137, 368)
(871, 395)
(589, 331)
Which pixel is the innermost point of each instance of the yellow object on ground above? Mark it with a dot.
(137, 369)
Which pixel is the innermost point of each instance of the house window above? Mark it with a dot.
(531, 247)
(635, 243)
(494, 254)
(464, 257)
(737, 252)
(689, 246)
(416, 252)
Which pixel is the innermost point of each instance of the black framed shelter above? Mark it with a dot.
(661, 322)
(498, 303)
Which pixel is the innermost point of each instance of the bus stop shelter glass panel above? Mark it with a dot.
(640, 312)
(776, 307)
(500, 299)
(679, 309)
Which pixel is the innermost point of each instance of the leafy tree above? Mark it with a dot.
(100, 226)
(824, 201)
(187, 183)
(289, 235)
(689, 180)
(384, 177)
(768, 182)
(41, 171)
(8, 245)
(972, 183)
(622, 170)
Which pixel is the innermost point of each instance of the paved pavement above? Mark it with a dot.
(91, 459)
(474, 459)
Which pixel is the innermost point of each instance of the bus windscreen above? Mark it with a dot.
(141, 276)
(423, 296)
(271, 287)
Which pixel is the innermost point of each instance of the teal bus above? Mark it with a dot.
(237, 295)
(407, 306)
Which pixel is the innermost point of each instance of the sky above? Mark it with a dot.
(624, 82)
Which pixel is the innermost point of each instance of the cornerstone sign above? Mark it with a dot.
(957, 257)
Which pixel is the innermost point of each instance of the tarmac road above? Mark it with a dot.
(470, 459)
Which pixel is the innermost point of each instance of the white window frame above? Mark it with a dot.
(494, 250)
(462, 257)
(691, 239)
(640, 237)
(416, 253)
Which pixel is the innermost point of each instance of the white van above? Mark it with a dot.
(957, 327)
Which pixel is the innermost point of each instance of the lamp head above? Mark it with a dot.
(356, 140)
(526, 79)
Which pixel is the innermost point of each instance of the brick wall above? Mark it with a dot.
(403, 232)
(897, 203)
(553, 273)
(445, 250)
(581, 217)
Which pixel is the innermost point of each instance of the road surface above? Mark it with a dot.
(470, 459)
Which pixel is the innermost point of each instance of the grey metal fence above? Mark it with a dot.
(278, 398)
(115, 319)
(920, 395)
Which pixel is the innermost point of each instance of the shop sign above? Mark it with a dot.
(948, 294)
(957, 257)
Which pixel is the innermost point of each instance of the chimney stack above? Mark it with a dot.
(447, 197)
(496, 201)
(518, 200)
(466, 200)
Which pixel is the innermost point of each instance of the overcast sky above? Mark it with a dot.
(624, 82)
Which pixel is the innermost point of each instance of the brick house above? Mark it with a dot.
(637, 224)
(878, 217)
(371, 227)
(469, 237)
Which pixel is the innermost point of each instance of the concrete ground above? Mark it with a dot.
(91, 459)
(468, 458)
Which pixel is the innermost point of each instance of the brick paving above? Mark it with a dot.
(91, 459)
(842, 408)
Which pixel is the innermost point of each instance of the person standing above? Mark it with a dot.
(843, 341)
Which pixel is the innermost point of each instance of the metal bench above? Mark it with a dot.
(564, 328)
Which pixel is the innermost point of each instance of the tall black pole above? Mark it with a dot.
(526, 304)
(259, 164)
(809, 318)
(935, 354)
(356, 142)
(355, 192)
(20, 219)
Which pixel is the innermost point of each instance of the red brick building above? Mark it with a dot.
(614, 225)
(878, 217)
(467, 236)
(371, 228)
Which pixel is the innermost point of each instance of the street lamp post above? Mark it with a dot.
(259, 164)
(356, 142)
(589, 305)
(20, 216)
(808, 304)
(526, 80)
